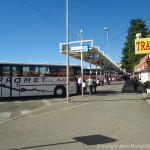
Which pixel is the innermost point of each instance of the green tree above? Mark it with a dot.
(129, 59)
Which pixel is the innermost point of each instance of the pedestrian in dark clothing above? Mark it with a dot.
(125, 77)
(80, 85)
(94, 85)
(135, 84)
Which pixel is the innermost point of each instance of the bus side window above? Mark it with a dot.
(77, 71)
(36, 73)
(86, 71)
(6, 71)
(43, 71)
(47, 72)
(25, 71)
(62, 71)
(0, 71)
(15, 71)
(93, 71)
(53, 71)
(32, 71)
(98, 72)
(71, 72)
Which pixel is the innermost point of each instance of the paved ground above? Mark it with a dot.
(115, 118)
(13, 109)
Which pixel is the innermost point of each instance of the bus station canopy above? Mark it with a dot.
(93, 56)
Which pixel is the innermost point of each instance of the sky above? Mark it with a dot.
(31, 30)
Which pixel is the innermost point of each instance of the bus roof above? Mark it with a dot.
(30, 63)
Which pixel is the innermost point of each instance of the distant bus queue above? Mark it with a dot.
(98, 77)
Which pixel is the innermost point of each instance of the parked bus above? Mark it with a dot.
(100, 74)
(97, 73)
(20, 80)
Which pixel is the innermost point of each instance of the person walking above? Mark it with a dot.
(80, 85)
(105, 81)
(89, 82)
(94, 85)
(135, 84)
(84, 86)
(97, 82)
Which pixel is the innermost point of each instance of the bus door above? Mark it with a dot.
(0, 86)
(72, 85)
(5, 82)
(15, 81)
(0, 81)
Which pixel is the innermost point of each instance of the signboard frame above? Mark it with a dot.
(83, 48)
(142, 46)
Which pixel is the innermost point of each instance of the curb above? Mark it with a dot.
(145, 95)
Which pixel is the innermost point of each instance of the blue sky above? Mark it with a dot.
(30, 30)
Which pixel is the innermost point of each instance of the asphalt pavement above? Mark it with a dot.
(114, 118)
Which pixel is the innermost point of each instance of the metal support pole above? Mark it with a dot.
(107, 29)
(67, 47)
(96, 72)
(81, 60)
(108, 44)
(90, 67)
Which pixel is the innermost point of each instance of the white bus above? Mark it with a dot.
(20, 80)
(101, 74)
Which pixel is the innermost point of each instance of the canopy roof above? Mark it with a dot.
(99, 58)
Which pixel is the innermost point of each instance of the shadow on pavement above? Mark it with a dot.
(94, 139)
(88, 140)
(128, 88)
(104, 93)
(45, 145)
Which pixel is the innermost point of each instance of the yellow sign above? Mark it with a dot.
(142, 46)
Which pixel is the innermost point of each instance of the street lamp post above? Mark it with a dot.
(116, 55)
(107, 29)
(116, 59)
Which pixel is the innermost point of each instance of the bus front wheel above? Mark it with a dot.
(60, 91)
